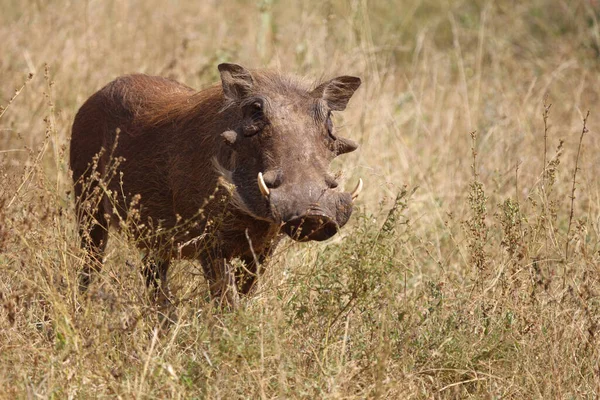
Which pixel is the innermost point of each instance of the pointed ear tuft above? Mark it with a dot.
(236, 80)
(345, 146)
(337, 92)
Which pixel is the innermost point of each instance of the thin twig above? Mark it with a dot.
(461, 383)
(148, 358)
(36, 162)
(584, 130)
(17, 93)
(252, 249)
(545, 115)
(474, 155)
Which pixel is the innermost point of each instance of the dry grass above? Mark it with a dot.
(470, 270)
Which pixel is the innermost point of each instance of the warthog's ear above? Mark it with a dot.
(337, 92)
(237, 81)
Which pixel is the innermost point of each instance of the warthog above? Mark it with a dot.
(215, 174)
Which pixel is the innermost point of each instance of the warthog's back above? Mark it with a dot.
(141, 120)
(127, 104)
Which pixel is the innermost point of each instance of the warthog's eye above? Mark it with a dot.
(256, 109)
(254, 117)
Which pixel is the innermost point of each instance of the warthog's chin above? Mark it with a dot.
(313, 227)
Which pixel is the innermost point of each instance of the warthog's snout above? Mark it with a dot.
(310, 227)
(309, 214)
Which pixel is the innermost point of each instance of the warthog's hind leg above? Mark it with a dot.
(93, 241)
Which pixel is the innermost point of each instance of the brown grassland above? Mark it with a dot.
(470, 268)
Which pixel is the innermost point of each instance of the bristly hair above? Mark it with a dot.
(226, 181)
(185, 105)
(278, 82)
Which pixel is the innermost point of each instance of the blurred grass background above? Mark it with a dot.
(466, 272)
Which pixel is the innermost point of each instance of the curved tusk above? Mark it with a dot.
(358, 189)
(262, 185)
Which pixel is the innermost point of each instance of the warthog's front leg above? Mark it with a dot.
(156, 273)
(220, 275)
(223, 287)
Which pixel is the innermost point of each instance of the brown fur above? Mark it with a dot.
(174, 156)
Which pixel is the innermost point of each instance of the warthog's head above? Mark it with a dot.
(282, 143)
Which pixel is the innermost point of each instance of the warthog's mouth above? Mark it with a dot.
(310, 227)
